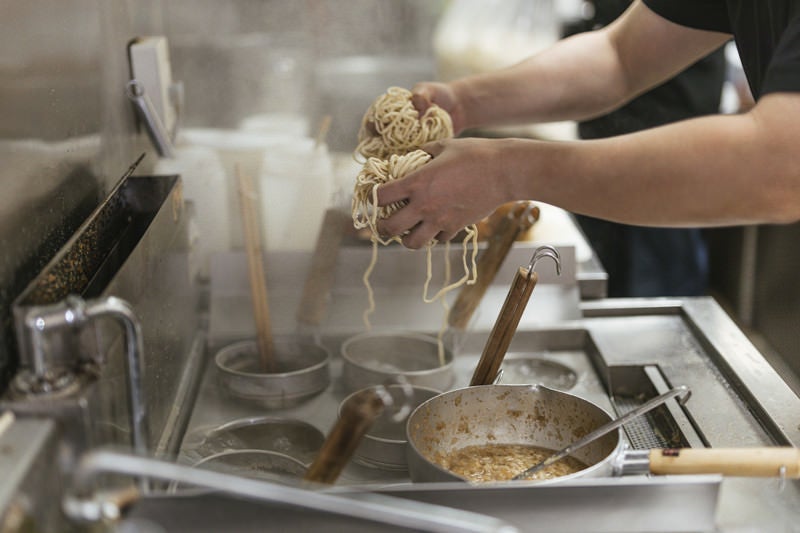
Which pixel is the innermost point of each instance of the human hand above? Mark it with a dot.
(426, 94)
(463, 183)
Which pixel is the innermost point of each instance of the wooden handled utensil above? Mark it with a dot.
(256, 270)
(591, 437)
(519, 219)
(314, 301)
(354, 421)
(745, 462)
(510, 314)
(356, 417)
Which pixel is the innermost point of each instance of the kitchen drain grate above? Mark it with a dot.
(644, 432)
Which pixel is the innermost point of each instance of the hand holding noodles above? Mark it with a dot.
(366, 214)
(392, 125)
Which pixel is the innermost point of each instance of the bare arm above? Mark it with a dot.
(719, 170)
(709, 171)
(583, 76)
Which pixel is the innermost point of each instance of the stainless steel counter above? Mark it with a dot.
(618, 350)
(615, 347)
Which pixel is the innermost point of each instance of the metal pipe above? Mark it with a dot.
(122, 311)
(74, 312)
(79, 505)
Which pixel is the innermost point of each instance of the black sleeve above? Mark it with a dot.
(783, 72)
(709, 15)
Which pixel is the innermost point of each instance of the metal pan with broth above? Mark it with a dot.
(510, 415)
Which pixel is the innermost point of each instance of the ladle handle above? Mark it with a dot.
(314, 301)
(354, 421)
(745, 462)
(607, 428)
(519, 219)
(505, 327)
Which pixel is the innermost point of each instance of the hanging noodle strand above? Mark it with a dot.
(366, 214)
(389, 141)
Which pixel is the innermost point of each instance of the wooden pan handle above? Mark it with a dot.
(519, 219)
(505, 327)
(745, 462)
(355, 419)
(314, 301)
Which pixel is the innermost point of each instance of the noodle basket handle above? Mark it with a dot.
(355, 420)
(519, 219)
(510, 314)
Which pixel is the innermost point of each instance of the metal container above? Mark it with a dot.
(133, 247)
(302, 372)
(384, 444)
(292, 437)
(506, 414)
(374, 358)
(528, 369)
(254, 464)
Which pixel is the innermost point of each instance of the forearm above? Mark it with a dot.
(719, 170)
(576, 79)
(586, 75)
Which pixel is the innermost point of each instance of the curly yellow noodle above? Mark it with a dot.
(392, 125)
(365, 212)
(389, 139)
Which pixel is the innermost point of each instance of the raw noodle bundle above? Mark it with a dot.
(397, 126)
(366, 213)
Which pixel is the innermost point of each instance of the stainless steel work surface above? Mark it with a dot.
(612, 347)
(397, 282)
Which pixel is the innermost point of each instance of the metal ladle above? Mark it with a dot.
(682, 391)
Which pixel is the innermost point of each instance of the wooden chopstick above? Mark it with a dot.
(256, 270)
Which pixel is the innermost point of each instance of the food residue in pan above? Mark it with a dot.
(500, 462)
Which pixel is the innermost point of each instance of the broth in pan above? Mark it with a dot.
(500, 462)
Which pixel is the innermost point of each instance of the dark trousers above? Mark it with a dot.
(648, 262)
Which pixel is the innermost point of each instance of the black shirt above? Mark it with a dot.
(767, 34)
(694, 92)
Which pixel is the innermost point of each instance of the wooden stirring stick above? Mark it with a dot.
(322, 132)
(314, 301)
(256, 270)
(355, 420)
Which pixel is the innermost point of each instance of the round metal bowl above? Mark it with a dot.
(262, 465)
(521, 369)
(302, 371)
(374, 358)
(384, 444)
(294, 438)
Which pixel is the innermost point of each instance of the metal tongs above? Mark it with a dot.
(488, 369)
(682, 391)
